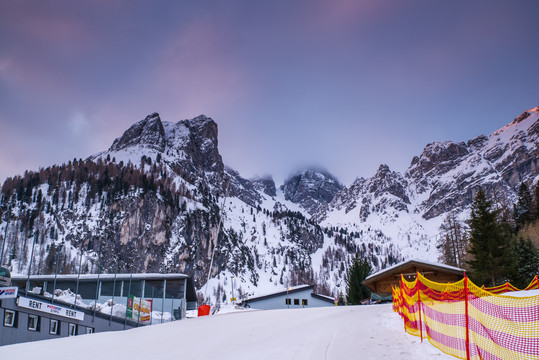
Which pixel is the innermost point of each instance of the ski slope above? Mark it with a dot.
(348, 332)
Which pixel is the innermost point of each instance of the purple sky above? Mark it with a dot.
(341, 84)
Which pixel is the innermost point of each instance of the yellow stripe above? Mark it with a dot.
(482, 342)
(501, 352)
(448, 350)
(522, 329)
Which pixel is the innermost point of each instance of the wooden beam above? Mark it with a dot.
(410, 274)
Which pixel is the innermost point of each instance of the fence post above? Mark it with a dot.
(419, 304)
(466, 314)
(402, 305)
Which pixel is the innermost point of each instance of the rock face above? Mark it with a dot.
(385, 189)
(266, 185)
(310, 189)
(450, 173)
(447, 175)
(148, 133)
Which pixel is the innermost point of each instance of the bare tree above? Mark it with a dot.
(453, 241)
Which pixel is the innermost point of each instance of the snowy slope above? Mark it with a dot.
(337, 333)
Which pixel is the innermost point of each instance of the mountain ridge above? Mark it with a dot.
(157, 195)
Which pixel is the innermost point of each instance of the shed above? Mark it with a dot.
(381, 282)
(301, 296)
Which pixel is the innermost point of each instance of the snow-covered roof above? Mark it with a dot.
(289, 290)
(390, 269)
(148, 276)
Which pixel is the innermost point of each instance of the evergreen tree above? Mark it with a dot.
(535, 208)
(522, 213)
(526, 262)
(356, 290)
(488, 245)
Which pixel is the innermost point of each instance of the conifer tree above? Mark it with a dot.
(488, 244)
(356, 290)
(526, 262)
(522, 212)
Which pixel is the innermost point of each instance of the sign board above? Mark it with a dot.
(49, 308)
(139, 309)
(8, 292)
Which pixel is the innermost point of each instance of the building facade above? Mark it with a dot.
(297, 297)
(31, 313)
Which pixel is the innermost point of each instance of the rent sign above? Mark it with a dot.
(49, 308)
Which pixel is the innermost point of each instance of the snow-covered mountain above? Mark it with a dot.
(161, 199)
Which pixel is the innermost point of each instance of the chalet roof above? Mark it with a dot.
(395, 269)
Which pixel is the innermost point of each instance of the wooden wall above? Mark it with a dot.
(383, 286)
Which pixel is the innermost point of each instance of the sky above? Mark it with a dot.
(345, 85)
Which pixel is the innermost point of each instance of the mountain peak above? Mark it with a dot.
(310, 188)
(148, 133)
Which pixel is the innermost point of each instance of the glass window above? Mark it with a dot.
(136, 288)
(296, 301)
(287, 301)
(72, 329)
(9, 318)
(87, 289)
(154, 289)
(33, 322)
(108, 286)
(304, 302)
(174, 289)
(90, 330)
(55, 327)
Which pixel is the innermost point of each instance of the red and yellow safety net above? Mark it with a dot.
(469, 322)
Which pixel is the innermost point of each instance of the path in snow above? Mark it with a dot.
(348, 332)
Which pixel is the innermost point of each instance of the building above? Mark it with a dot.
(33, 315)
(381, 282)
(296, 297)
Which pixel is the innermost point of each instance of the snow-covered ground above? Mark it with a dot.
(348, 332)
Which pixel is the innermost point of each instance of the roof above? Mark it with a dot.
(93, 277)
(288, 291)
(395, 269)
(329, 299)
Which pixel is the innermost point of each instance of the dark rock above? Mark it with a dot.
(311, 188)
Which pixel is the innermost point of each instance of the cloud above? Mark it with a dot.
(77, 123)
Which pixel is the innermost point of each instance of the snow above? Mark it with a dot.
(373, 331)
(523, 293)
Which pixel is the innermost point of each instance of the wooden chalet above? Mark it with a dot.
(380, 283)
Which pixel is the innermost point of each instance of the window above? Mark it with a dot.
(55, 327)
(296, 301)
(33, 322)
(72, 329)
(287, 301)
(90, 330)
(304, 302)
(10, 318)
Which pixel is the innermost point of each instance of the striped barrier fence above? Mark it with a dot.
(469, 322)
